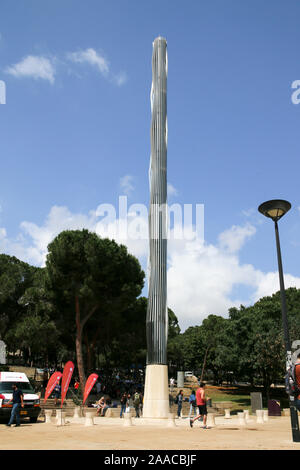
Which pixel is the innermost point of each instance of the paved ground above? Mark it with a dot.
(111, 434)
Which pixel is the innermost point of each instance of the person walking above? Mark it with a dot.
(137, 403)
(141, 403)
(179, 402)
(193, 404)
(123, 402)
(201, 403)
(172, 383)
(56, 390)
(17, 402)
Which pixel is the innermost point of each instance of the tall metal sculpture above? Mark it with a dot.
(156, 398)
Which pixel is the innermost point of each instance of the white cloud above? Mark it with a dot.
(249, 212)
(268, 283)
(172, 191)
(96, 59)
(120, 79)
(126, 183)
(36, 67)
(91, 57)
(234, 238)
(31, 243)
(40, 67)
(202, 277)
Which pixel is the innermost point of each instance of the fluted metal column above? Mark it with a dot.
(157, 318)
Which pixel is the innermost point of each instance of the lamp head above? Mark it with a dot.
(275, 209)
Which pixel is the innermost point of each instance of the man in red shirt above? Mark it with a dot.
(201, 403)
(297, 378)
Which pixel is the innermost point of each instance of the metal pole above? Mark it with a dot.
(293, 409)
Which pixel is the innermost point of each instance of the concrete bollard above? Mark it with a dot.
(242, 421)
(127, 419)
(211, 420)
(286, 412)
(246, 414)
(60, 418)
(89, 418)
(77, 412)
(171, 420)
(227, 413)
(259, 416)
(266, 416)
(48, 414)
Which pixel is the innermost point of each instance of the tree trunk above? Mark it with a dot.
(88, 354)
(90, 348)
(266, 383)
(204, 364)
(79, 355)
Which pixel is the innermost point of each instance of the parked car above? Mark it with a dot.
(189, 374)
(31, 400)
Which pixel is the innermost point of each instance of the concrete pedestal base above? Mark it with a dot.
(89, 418)
(242, 421)
(127, 419)
(156, 393)
(211, 420)
(171, 421)
(260, 416)
(48, 414)
(77, 412)
(60, 417)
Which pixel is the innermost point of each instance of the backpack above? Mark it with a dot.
(176, 400)
(136, 399)
(192, 401)
(291, 386)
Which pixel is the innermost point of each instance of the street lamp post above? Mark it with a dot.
(275, 209)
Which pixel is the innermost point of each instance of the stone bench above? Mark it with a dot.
(115, 412)
(286, 412)
(223, 405)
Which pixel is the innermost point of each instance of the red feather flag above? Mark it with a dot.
(54, 379)
(89, 385)
(65, 381)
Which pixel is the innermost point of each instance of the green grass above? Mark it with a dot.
(240, 396)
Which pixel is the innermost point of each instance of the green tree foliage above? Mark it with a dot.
(36, 332)
(122, 339)
(246, 346)
(15, 277)
(90, 277)
(39, 306)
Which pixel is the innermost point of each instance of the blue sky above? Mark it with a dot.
(76, 127)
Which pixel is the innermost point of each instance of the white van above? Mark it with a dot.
(189, 373)
(31, 400)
